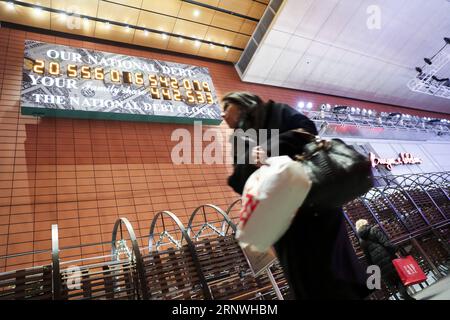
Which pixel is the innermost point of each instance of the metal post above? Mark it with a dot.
(274, 284)
(56, 276)
(427, 258)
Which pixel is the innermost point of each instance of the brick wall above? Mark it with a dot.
(84, 174)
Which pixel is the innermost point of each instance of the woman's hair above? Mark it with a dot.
(360, 223)
(246, 101)
(249, 104)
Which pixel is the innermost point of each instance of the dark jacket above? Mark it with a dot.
(378, 251)
(316, 254)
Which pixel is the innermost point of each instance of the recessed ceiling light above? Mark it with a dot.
(226, 49)
(196, 13)
(10, 5)
(180, 39)
(145, 33)
(63, 16)
(37, 10)
(85, 20)
(127, 29)
(107, 25)
(211, 46)
(197, 43)
(164, 36)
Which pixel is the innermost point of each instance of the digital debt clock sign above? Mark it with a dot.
(62, 81)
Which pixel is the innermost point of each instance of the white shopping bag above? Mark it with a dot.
(272, 196)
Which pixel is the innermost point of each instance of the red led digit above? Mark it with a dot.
(209, 98)
(115, 76)
(153, 80)
(38, 66)
(155, 93)
(164, 82)
(85, 72)
(187, 85)
(53, 68)
(200, 97)
(176, 95)
(139, 78)
(166, 94)
(197, 86)
(205, 86)
(71, 70)
(174, 83)
(127, 78)
(190, 96)
(98, 74)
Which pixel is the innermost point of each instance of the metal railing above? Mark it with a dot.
(204, 261)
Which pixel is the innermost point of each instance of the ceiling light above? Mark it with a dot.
(85, 20)
(226, 49)
(145, 33)
(197, 43)
(196, 13)
(10, 5)
(127, 29)
(37, 10)
(180, 39)
(301, 105)
(211, 46)
(107, 25)
(309, 106)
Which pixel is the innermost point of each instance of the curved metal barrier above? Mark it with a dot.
(232, 205)
(386, 214)
(135, 256)
(206, 224)
(184, 236)
(228, 270)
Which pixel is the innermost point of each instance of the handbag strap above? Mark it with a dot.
(305, 133)
(320, 144)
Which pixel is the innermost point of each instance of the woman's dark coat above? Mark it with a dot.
(316, 254)
(379, 251)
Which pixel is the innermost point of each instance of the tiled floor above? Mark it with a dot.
(438, 291)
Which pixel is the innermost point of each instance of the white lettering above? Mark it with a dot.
(184, 147)
(52, 54)
(374, 280)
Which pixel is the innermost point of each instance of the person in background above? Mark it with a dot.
(315, 253)
(380, 251)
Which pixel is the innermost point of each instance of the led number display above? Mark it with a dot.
(76, 82)
(160, 87)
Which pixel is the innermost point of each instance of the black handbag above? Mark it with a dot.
(338, 172)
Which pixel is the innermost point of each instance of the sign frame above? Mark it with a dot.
(167, 92)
